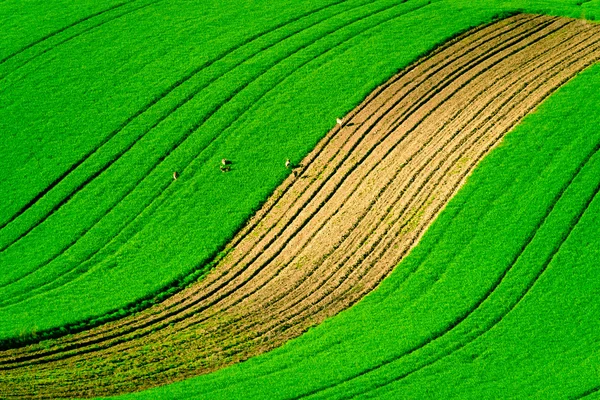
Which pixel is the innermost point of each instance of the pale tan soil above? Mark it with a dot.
(364, 197)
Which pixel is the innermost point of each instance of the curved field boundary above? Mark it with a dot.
(163, 185)
(173, 89)
(65, 28)
(337, 226)
(137, 5)
(460, 327)
(170, 90)
(495, 33)
(16, 297)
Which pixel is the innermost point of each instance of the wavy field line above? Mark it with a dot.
(180, 104)
(301, 209)
(281, 268)
(163, 95)
(54, 33)
(475, 162)
(495, 285)
(265, 304)
(414, 208)
(216, 109)
(212, 112)
(53, 47)
(378, 195)
(347, 200)
(373, 203)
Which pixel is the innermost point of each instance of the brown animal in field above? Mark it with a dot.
(175, 175)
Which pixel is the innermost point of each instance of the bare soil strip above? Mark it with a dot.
(362, 199)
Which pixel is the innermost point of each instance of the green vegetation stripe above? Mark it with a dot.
(177, 144)
(538, 245)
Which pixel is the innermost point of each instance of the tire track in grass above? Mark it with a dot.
(495, 285)
(382, 22)
(82, 185)
(345, 259)
(180, 104)
(161, 96)
(339, 296)
(522, 295)
(162, 364)
(167, 185)
(411, 272)
(76, 35)
(186, 99)
(265, 304)
(57, 32)
(586, 393)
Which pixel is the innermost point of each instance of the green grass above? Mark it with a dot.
(113, 96)
(125, 230)
(498, 300)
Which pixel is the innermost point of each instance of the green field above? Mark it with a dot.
(100, 103)
(499, 300)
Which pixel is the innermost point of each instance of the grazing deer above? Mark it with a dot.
(175, 175)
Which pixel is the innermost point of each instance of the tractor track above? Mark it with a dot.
(362, 200)
(158, 199)
(241, 250)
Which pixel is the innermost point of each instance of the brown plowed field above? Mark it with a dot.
(361, 201)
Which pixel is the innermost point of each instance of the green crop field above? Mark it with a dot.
(101, 102)
(498, 300)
